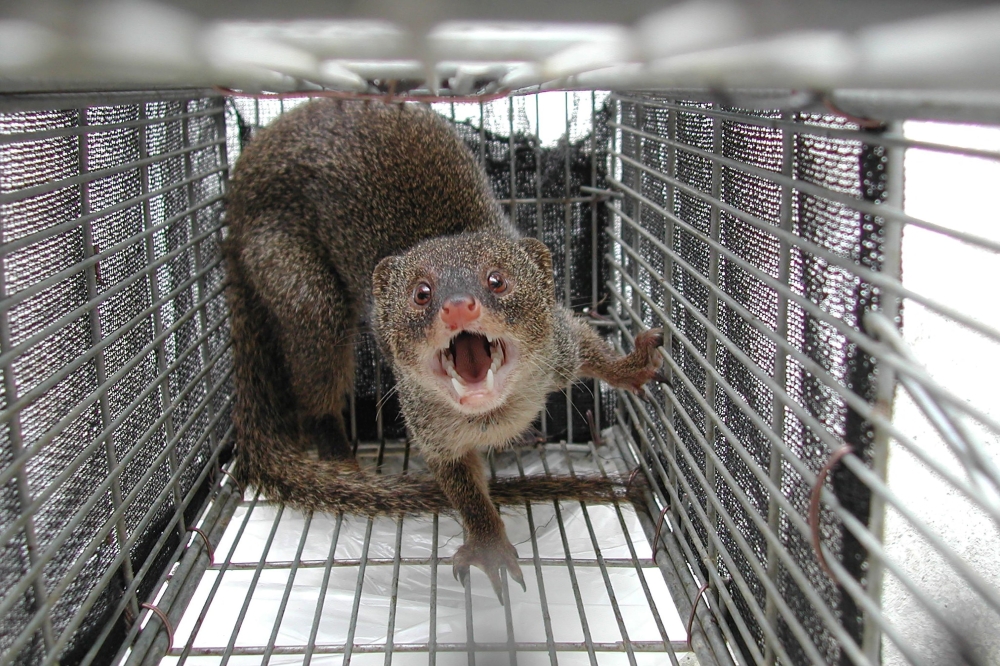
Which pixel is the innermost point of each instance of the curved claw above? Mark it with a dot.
(491, 559)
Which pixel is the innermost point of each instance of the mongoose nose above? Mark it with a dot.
(460, 310)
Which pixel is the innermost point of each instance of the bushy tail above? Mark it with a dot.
(271, 458)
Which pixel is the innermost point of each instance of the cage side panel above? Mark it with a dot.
(111, 219)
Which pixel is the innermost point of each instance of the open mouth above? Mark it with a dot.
(475, 366)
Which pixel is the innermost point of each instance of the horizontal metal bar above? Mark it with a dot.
(76, 130)
(140, 575)
(40, 389)
(83, 455)
(57, 542)
(855, 202)
(369, 648)
(551, 200)
(612, 563)
(42, 441)
(874, 547)
(10, 102)
(214, 517)
(101, 534)
(878, 349)
(69, 225)
(91, 176)
(886, 139)
(833, 258)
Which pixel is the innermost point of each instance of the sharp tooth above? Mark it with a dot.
(459, 389)
(489, 380)
(499, 355)
(495, 365)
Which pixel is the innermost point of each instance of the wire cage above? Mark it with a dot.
(820, 472)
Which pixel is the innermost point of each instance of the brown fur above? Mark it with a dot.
(338, 210)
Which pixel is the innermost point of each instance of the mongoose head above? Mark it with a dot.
(468, 318)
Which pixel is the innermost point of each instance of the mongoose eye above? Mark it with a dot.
(496, 282)
(422, 294)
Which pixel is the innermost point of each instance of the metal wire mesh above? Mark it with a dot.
(114, 358)
(768, 244)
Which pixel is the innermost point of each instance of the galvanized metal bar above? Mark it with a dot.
(833, 258)
(634, 561)
(871, 208)
(323, 587)
(200, 286)
(539, 219)
(43, 559)
(269, 648)
(891, 139)
(72, 99)
(183, 580)
(785, 214)
(54, 230)
(99, 365)
(852, 524)
(206, 606)
(615, 608)
(95, 543)
(595, 253)
(40, 388)
(20, 475)
(571, 570)
(141, 124)
(611, 648)
(353, 623)
(248, 597)
(432, 620)
(568, 255)
(546, 615)
(868, 343)
(807, 418)
(29, 452)
(91, 176)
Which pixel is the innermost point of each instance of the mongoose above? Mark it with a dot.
(343, 211)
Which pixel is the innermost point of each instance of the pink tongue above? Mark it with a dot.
(472, 358)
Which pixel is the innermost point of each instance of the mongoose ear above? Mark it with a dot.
(381, 276)
(539, 254)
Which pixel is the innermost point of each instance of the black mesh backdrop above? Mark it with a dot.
(113, 360)
(650, 167)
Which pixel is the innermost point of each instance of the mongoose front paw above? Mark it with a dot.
(643, 364)
(491, 557)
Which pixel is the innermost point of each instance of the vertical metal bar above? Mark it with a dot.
(394, 594)
(353, 627)
(780, 370)
(668, 268)
(546, 618)
(588, 641)
(159, 353)
(200, 287)
(432, 621)
(324, 586)
(539, 215)
(615, 608)
(96, 335)
(218, 582)
(17, 448)
(711, 350)
(568, 256)
(594, 246)
(288, 590)
(470, 636)
(253, 587)
(885, 386)
(505, 590)
(629, 542)
(511, 149)
(379, 423)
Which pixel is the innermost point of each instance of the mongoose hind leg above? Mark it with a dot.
(317, 329)
(486, 546)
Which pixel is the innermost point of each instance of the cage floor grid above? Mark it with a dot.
(293, 587)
